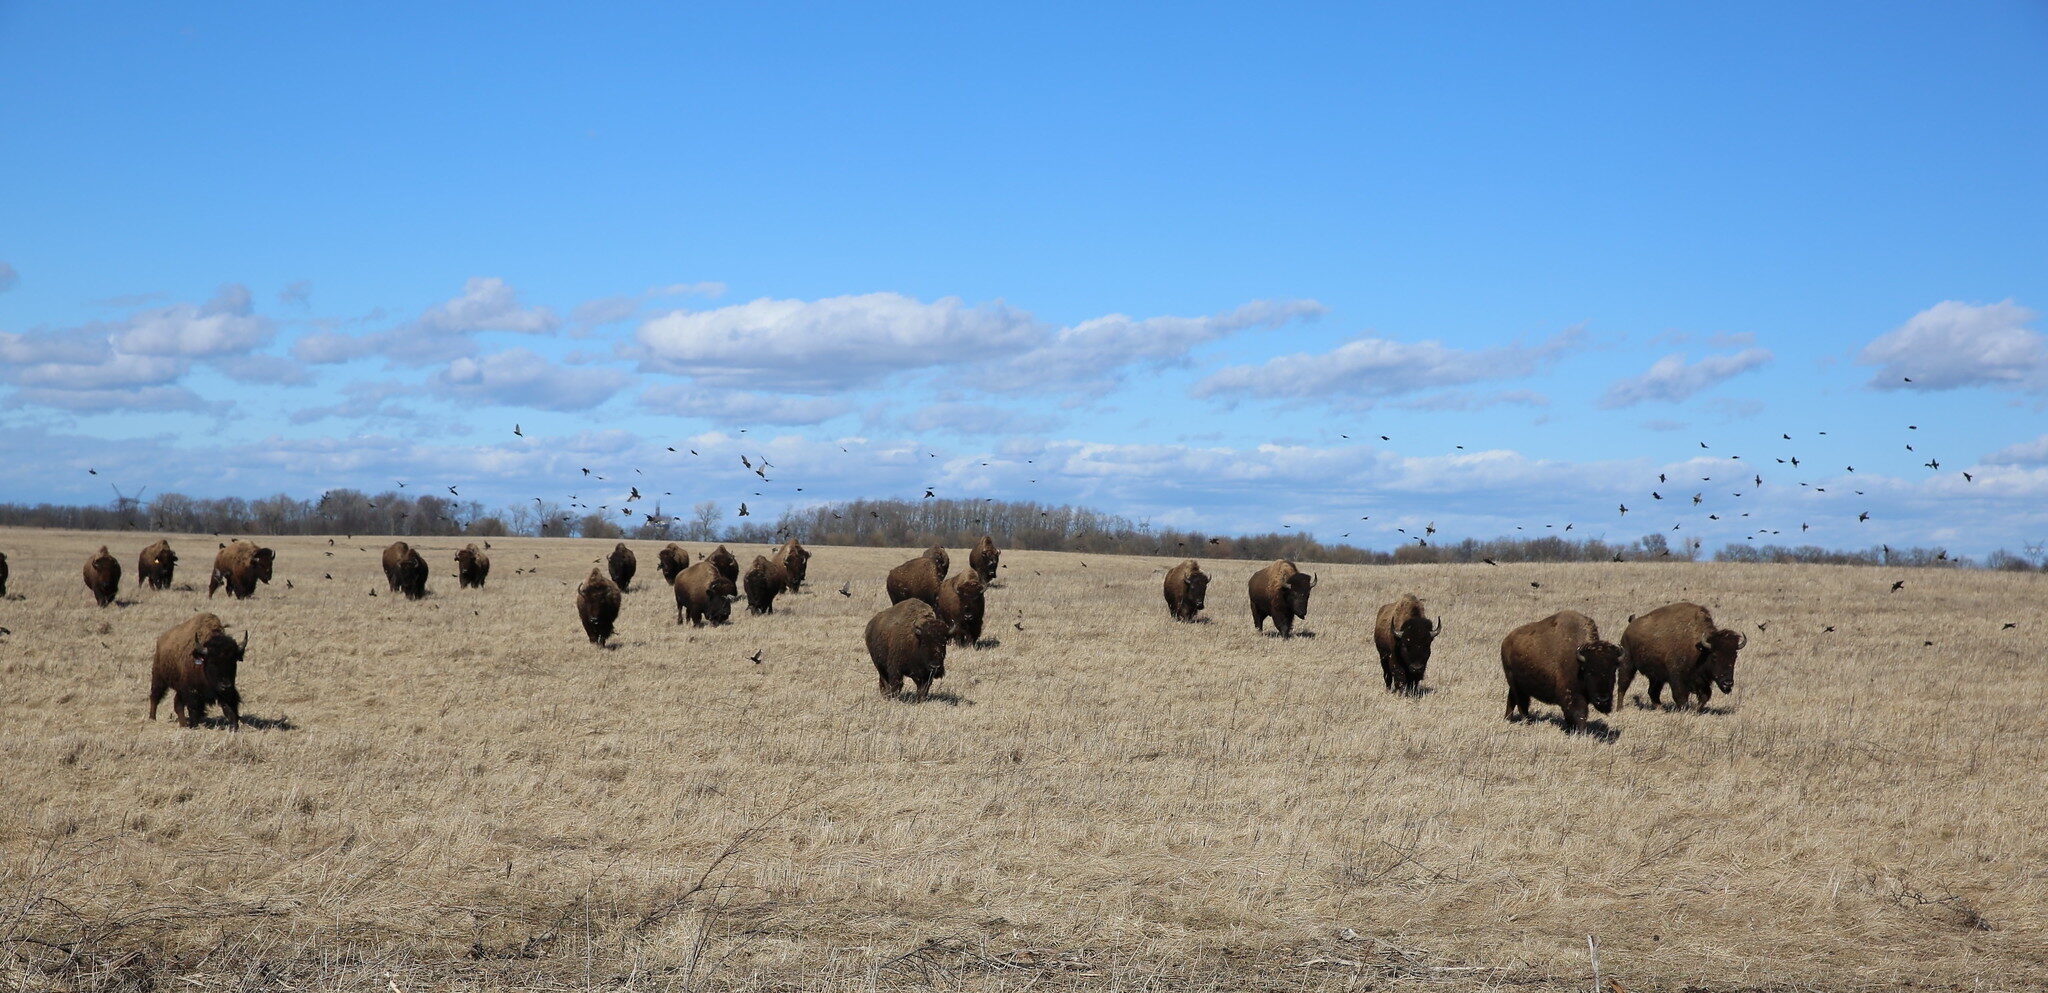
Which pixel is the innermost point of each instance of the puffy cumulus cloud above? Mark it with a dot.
(1091, 356)
(443, 332)
(69, 345)
(1672, 379)
(225, 325)
(1366, 370)
(1954, 344)
(2033, 452)
(592, 314)
(113, 370)
(838, 343)
(739, 407)
(89, 401)
(977, 419)
(521, 378)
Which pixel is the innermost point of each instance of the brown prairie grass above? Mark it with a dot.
(461, 793)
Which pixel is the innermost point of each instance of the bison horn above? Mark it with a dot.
(244, 646)
(1741, 641)
(1437, 628)
(1311, 580)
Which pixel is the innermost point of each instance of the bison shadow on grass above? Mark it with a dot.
(1594, 729)
(947, 697)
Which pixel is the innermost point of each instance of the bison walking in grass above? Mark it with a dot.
(597, 606)
(908, 641)
(795, 561)
(917, 579)
(984, 558)
(961, 602)
(725, 563)
(1187, 590)
(103, 576)
(472, 567)
(704, 593)
(623, 564)
(1280, 591)
(196, 662)
(672, 560)
(1560, 660)
(1679, 644)
(156, 564)
(239, 566)
(765, 580)
(1403, 634)
(405, 569)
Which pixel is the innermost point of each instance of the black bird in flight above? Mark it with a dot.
(516, 432)
(1900, 585)
(743, 508)
(756, 657)
(846, 588)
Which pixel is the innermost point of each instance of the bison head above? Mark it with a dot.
(722, 594)
(263, 559)
(1597, 662)
(1717, 655)
(220, 655)
(1416, 635)
(932, 633)
(1298, 587)
(1196, 585)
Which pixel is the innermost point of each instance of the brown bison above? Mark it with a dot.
(196, 662)
(1560, 660)
(795, 560)
(672, 560)
(908, 640)
(153, 568)
(984, 558)
(597, 606)
(1403, 635)
(726, 564)
(1280, 591)
(405, 570)
(702, 592)
(472, 567)
(103, 576)
(961, 598)
(239, 565)
(3, 573)
(765, 580)
(1678, 644)
(1187, 590)
(623, 564)
(917, 579)
(940, 558)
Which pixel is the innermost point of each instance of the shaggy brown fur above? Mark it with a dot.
(623, 564)
(917, 579)
(672, 560)
(703, 592)
(726, 564)
(395, 555)
(908, 640)
(1678, 644)
(1280, 591)
(1187, 590)
(765, 580)
(196, 662)
(103, 576)
(240, 566)
(406, 570)
(1559, 660)
(940, 558)
(153, 568)
(961, 599)
(597, 606)
(1403, 635)
(984, 558)
(795, 560)
(472, 567)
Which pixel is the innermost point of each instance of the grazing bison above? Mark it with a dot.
(239, 565)
(984, 558)
(917, 579)
(406, 570)
(702, 591)
(103, 576)
(3, 573)
(472, 567)
(1678, 644)
(153, 568)
(1403, 635)
(961, 599)
(765, 580)
(795, 560)
(908, 640)
(726, 564)
(940, 558)
(1280, 591)
(1187, 590)
(672, 560)
(597, 606)
(196, 662)
(623, 565)
(1560, 660)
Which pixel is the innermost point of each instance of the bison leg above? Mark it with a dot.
(1515, 700)
(1706, 692)
(231, 708)
(924, 689)
(157, 689)
(1656, 691)
(1259, 619)
(891, 686)
(1679, 697)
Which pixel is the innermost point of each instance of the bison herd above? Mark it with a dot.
(1561, 660)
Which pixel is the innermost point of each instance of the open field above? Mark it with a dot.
(461, 793)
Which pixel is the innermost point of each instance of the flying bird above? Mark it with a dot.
(846, 588)
(743, 508)
(756, 657)
(1900, 585)
(522, 434)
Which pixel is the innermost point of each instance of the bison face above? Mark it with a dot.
(1197, 587)
(1597, 662)
(1717, 656)
(263, 558)
(1298, 587)
(220, 656)
(1416, 638)
(931, 636)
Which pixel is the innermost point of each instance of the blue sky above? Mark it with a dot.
(1156, 260)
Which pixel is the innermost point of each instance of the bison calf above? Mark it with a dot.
(103, 576)
(908, 641)
(597, 606)
(1280, 591)
(1187, 590)
(196, 662)
(1559, 660)
(917, 579)
(961, 599)
(1678, 644)
(704, 593)
(1403, 636)
(765, 580)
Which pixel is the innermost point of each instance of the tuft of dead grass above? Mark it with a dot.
(462, 793)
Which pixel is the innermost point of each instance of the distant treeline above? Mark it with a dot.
(902, 523)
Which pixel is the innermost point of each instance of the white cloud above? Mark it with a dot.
(443, 332)
(87, 401)
(1365, 370)
(1954, 344)
(224, 325)
(520, 378)
(1671, 379)
(2033, 452)
(735, 407)
(977, 418)
(272, 369)
(1091, 355)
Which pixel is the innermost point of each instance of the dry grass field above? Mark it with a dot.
(461, 793)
